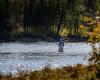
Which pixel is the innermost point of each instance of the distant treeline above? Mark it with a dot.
(41, 16)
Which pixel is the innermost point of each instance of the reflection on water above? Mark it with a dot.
(31, 56)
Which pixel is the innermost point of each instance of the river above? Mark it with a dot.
(18, 56)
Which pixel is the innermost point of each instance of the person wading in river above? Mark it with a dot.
(61, 45)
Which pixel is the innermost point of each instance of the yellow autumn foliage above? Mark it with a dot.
(95, 35)
(87, 18)
(81, 27)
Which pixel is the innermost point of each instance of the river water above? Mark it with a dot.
(17, 56)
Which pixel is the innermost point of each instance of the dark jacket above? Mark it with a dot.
(61, 42)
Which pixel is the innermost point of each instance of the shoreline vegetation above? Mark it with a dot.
(28, 37)
(77, 72)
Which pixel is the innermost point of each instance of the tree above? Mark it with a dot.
(5, 16)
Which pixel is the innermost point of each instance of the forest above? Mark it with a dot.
(48, 18)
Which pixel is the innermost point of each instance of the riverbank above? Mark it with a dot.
(36, 38)
(77, 72)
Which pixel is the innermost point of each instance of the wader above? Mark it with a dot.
(61, 45)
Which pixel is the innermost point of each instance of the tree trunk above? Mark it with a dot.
(58, 28)
(70, 31)
(25, 15)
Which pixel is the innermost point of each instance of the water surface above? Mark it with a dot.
(16, 56)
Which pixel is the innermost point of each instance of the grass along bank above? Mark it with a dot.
(78, 72)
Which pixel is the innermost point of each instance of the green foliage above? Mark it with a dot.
(28, 14)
